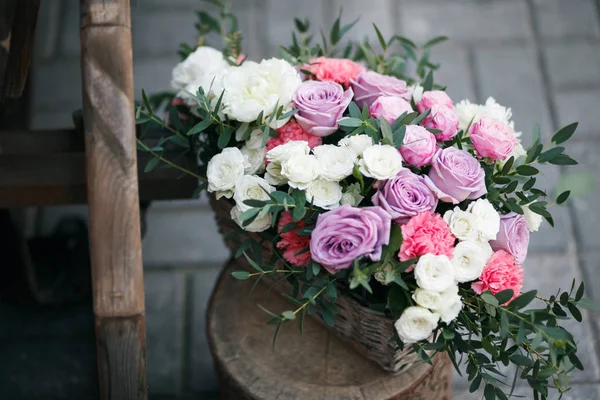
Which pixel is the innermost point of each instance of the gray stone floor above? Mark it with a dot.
(541, 57)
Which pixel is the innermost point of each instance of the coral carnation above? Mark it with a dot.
(291, 243)
(500, 273)
(340, 70)
(292, 131)
(426, 233)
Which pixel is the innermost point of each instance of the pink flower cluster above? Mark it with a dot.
(500, 273)
(426, 233)
(292, 131)
(291, 243)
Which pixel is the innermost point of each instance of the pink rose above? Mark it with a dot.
(513, 236)
(455, 176)
(500, 273)
(434, 98)
(390, 108)
(492, 138)
(320, 106)
(369, 85)
(426, 233)
(443, 118)
(419, 146)
(338, 70)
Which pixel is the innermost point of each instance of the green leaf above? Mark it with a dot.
(563, 197)
(521, 360)
(152, 163)
(589, 304)
(434, 41)
(327, 316)
(504, 296)
(399, 135)
(386, 131)
(199, 127)
(421, 117)
(224, 137)
(350, 122)
(354, 110)
(489, 298)
(563, 159)
(574, 312)
(428, 83)
(523, 300)
(380, 38)
(508, 165)
(550, 154)
(489, 392)
(146, 102)
(241, 275)
(579, 294)
(393, 247)
(536, 134)
(289, 315)
(563, 134)
(527, 170)
(529, 184)
(179, 141)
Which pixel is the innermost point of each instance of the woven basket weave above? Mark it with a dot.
(365, 330)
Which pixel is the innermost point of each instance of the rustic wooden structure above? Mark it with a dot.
(315, 365)
(100, 167)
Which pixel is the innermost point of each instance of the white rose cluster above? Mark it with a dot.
(468, 113)
(202, 68)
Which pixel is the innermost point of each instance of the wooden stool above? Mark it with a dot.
(316, 365)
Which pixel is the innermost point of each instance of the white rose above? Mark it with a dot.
(337, 162)
(462, 224)
(450, 312)
(380, 161)
(356, 143)
(468, 258)
(258, 225)
(417, 92)
(351, 195)
(253, 88)
(488, 219)
(250, 187)
(224, 170)
(301, 170)
(273, 174)
(254, 160)
(199, 69)
(468, 113)
(416, 324)
(287, 150)
(533, 220)
(324, 194)
(428, 299)
(435, 273)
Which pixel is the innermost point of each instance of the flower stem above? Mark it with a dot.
(161, 158)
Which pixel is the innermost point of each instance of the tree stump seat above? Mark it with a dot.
(315, 365)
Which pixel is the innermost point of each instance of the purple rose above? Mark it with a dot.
(347, 233)
(321, 105)
(455, 176)
(369, 85)
(404, 196)
(390, 108)
(419, 146)
(513, 236)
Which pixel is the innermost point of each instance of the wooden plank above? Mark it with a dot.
(120, 343)
(20, 48)
(114, 218)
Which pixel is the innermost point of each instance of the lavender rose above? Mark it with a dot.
(347, 233)
(404, 196)
(513, 236)
(369, 85)
(455, 176)
(321, 105)
(419, 146)
(390, 108)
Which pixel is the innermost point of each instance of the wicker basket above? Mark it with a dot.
(365, 330)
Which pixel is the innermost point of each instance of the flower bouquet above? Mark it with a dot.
(372, 200)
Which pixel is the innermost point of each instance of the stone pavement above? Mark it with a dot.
(541, 57)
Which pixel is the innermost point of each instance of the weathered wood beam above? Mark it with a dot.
(20, 45)
(114, 220)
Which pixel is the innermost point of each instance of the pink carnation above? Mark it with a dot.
(340, 70)
(292, 131)
(500, 273)
(291, 243)
(426, 233)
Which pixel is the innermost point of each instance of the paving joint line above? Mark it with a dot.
(186, 340)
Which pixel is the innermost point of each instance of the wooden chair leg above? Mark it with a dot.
(114, 220)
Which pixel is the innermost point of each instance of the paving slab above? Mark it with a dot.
(573, 64)
(559, 18)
